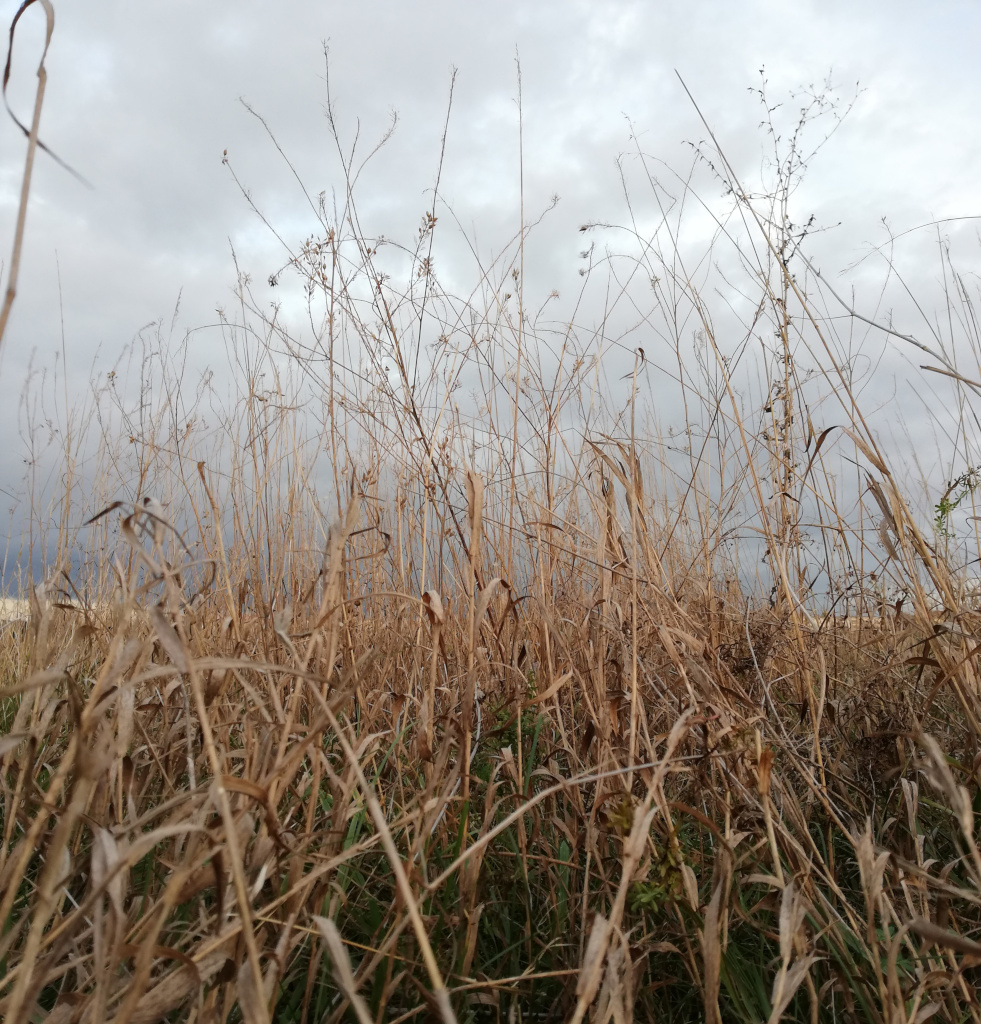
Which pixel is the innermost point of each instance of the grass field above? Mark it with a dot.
(438, 680)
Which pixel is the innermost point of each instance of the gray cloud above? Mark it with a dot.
(143, 100)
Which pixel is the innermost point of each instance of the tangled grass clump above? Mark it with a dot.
(378, 710)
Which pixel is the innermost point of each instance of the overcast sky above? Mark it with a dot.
(143, 99)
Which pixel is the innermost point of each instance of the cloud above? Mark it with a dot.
(143, 99)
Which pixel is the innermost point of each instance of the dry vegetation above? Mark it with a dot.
(559, 718)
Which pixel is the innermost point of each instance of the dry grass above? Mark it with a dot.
(529, 731)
